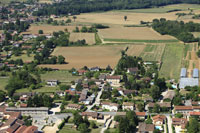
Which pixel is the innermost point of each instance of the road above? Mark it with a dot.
(169, 120)
(97, 99)
(107, 124)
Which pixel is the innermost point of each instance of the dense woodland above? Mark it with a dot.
(180, 30)
(83, 6)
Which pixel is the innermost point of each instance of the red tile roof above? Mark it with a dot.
(140, 113)
(195, 113)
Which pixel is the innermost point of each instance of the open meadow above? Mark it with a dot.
(92, 56)
(89, 37)
(133, 34)
(3, 83)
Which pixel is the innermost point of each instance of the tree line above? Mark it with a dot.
(83, 6)
(180, 30)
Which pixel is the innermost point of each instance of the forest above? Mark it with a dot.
(75, 7)
(180, 30)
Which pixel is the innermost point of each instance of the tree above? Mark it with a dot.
(93, 124)
(61, 59)
(77, 119)
(125, 18)
(140, 107)
(79, 87)
(155, 92)
(149, 120)
(193, 126)
(40, 32)
(156, 108)
(83, 128)
(74, 17)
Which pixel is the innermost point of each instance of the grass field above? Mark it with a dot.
(89, 37)
(41, 90)
(131, 34)
(139, 41)
(62, 76)
(172, 61)
(188, 47)
(46, 1)
(69, 129)
(92, 56)
(153, 52)
(3, 83)
(5, 2)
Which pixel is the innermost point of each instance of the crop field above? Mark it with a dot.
(196, 34)
(153, 52)
(131, 34)
(92, 56)
(45, 89)
(47, 29)
(46, 1)
(171, 61)
(62, 76)
(89, 37)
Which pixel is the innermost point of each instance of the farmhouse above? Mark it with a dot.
(113, 80)
(110, 106)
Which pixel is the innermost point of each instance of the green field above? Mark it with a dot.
(153, 52)
(188, 47)
(61, 75)
(171, 61)
(69, 129)
(3, 83)
(5, 2)
(141, 41)
(24, 57)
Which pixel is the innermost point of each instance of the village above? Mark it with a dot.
(125, 94)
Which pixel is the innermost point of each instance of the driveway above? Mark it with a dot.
(169, 120)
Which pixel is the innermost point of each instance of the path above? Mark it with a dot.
(107, 124)
(169, 122)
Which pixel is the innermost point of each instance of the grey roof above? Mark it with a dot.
(188, 82)
(183, 72)
(195, 73)
(27, 109)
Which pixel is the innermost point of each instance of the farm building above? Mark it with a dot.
(195, 73)
(183, 73)
(186, 81)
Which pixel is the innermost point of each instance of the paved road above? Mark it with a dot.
(169, 120)
(107, 124)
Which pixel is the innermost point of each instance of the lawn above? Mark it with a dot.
(3, 83)
(68, 129)
(140, 41)
(171, 61)
(62, 76)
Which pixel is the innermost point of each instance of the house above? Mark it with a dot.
(52, 82)
(163, 105)
(133, 70)
(83, 95)
(23, 105)
(92, 115)
(81, 72)
(102, 77)
(186, 109)
(179, 124)
(145, 128)
(159, 120)
(74, 106)
(90, 100)
(128, 106)
(194, 114)
(60, 93)
(113, 80)
(110, 106)
(141, 115)
(170, 95)
(94, 69)
(129, 92)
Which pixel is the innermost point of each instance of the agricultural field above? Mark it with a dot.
(45, 89)
(153, 52)
(171, 61)
(92, 56)
(48, 29)
(131, 34)
(196, 34)
(5, 2)
(46, 1)
(89, 37)
(62, 76)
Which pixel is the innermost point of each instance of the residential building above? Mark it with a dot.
(110, 106)
(179, 123)
(133, 70)
(74, 106)
(159, 120)
(52, 82)
(113, 80)
(92, 115)
(128, 106)
(145, 128)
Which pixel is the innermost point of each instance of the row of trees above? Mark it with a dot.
(40, 101)
(82, 6)
(180, 30)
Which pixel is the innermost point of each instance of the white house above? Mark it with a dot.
(113, 80)
(128, 106)
(110, 106)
